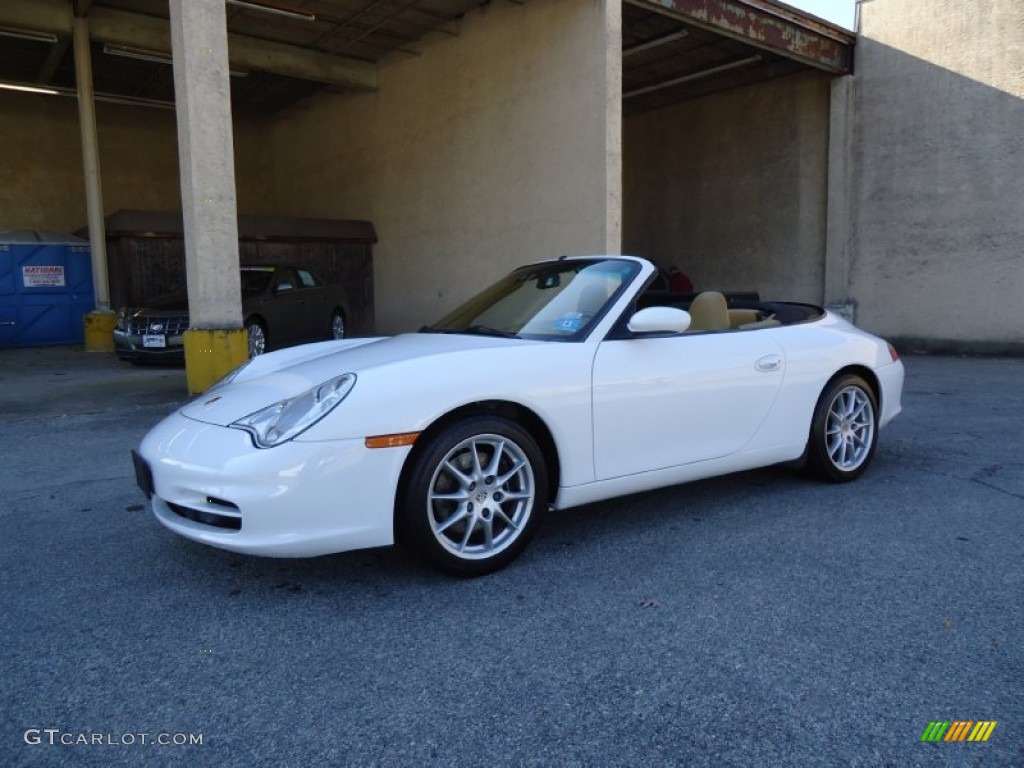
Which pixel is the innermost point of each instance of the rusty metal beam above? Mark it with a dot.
(765, 25)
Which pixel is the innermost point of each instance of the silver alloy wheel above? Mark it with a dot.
(337, 326)
(257, 339)
(849, 428)
(481, 496)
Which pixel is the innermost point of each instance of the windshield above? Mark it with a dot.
(557, 301)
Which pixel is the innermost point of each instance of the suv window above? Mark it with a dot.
(307, 278)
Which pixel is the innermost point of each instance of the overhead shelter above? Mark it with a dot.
(288, 51)
(677, 50)
(735, 118)
(475, 135)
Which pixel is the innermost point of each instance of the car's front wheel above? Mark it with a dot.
(257, 337)
(844, 431)
(337, 326)
(474, 496)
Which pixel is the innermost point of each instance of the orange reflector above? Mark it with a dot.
(392, 441)
(893, 353)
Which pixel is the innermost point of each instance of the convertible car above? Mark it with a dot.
(281, 306)
(562, 384)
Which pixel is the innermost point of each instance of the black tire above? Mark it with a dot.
(493, 511)
(337, 316)
(256, 329)
(844, 430)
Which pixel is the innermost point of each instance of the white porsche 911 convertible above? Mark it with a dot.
(562, 384)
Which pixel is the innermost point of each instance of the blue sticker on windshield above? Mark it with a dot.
(569, 322)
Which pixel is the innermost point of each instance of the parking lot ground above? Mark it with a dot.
(760, 619)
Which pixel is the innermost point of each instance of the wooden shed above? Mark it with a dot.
(146, 255)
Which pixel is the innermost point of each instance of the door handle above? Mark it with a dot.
(768, 363)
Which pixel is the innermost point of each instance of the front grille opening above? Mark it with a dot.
(170, 326)
(221, 503)
(228, 522)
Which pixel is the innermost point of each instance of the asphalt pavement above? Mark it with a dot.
(761, 619)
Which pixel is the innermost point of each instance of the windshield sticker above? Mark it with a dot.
(569, 322)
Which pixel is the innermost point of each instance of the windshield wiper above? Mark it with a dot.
(483, 330)
(477, 330)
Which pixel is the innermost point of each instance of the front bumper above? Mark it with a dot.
(890, 378)
(298, 499)
(128, 346)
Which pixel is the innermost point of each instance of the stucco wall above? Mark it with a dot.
(732, 187)
(41, 162)
(938, 184)
(491, 149)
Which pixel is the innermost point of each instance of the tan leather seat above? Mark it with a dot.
(768, 322)
(709, 312)
(741, 317)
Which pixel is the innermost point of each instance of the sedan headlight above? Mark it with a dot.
(123, 318)
(289, 418)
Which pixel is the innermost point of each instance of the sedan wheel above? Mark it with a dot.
(257, 338)
(844, 431)
(337, 325)
(474, 498)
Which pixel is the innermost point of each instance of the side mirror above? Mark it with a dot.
(659, 320)
(284, 287)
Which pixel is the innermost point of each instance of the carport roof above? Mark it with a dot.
(280, 51)
(284, 50)
(675, 50)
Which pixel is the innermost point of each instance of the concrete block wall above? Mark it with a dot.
(732, 187)
(494, 148)
(937, 188)
(41, 162)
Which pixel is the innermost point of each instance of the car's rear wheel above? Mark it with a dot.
(844, 431)
(337, 327)
(257, 337)
(474, 497)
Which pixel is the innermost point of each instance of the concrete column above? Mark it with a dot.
(215, 342)
(838, 233)
(99, 324)
(613, 125)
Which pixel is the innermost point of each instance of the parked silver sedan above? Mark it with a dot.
(281, 305)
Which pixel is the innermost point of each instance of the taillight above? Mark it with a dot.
(893, 353)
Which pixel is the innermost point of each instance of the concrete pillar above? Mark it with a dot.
(839, 232)
(612, 42)
(99, 324)
(215, 342)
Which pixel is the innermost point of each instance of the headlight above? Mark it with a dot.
(289, 418)
(123, 317)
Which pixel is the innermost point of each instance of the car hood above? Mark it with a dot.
(176, 303)
(276, 376)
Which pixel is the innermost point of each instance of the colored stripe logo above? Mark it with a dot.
(958, 730)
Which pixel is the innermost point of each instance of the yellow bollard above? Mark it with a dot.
(211, 355)
(99, 331)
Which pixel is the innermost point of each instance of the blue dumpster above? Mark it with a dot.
(45, 288)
